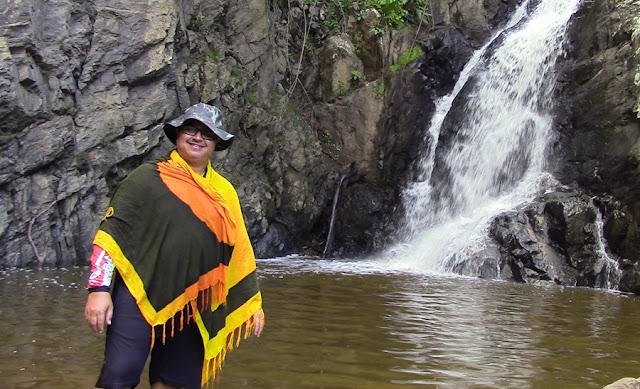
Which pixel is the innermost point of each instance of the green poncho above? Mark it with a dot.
(179, 242)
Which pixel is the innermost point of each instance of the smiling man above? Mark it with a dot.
(185, 288)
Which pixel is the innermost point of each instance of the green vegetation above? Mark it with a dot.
(251, 99)
(336, 13)
(406, 58)
(236, 74)
(342, 89)
(379, 90)
(394, 13)
(356, 76)
(419, 14)
(214, 54)
(377, 30)
(196, 23)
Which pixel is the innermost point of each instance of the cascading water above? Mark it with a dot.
(606, 262)
(486, 141)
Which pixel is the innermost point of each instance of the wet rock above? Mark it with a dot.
(362, 207)
(625, 383)
(555, 239)
(487, 262)
(599, 123)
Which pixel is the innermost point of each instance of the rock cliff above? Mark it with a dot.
(600, 129)
(307, 88)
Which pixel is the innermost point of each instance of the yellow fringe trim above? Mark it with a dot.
(239, 323)
(238, 327)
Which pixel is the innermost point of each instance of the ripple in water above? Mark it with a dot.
(350, 324)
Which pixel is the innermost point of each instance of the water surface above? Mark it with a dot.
(349, 325)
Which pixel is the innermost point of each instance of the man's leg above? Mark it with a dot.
(161, 385)
(127, 343)
(178, 362)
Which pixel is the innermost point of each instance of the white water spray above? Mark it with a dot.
(492, 158)
(606, 264)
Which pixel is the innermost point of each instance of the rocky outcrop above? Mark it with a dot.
(370, 211)
(476, 18)
(602, 88)
(85, 87)
(340, 67)
(625, 383)
(600, 123)
(585, 233)
(558, 239)
(77, 108)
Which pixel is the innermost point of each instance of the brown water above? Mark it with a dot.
(340, 325)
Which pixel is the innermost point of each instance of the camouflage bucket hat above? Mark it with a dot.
(206, 114)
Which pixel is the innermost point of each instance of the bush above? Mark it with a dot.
(406, 58)
(396, 12)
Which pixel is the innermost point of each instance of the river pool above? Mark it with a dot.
(336, 324)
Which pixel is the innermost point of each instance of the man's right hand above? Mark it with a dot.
(98, 311)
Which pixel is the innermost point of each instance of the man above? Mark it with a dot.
(185, 287)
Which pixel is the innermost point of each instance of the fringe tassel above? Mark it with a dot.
(249, 326)
(230, 341)
(221, 289)
(153, 337)
(213, 366)
(221, 294)
(239, 336)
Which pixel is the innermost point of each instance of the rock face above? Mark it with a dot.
(85, 87)
(83, 90)
(625, 383)
(600, 129)
(555, 239)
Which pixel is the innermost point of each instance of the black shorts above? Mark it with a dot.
(177, 362)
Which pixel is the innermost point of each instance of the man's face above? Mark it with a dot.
(195, 143)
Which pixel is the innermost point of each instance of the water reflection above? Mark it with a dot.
(461, 333)
(44, 342)
(350, 325)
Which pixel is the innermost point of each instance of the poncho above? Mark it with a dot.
(179, 242)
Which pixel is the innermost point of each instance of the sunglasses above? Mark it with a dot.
(192, 131)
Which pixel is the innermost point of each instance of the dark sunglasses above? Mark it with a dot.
(192, 131)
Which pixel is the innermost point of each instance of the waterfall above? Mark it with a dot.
(487, 141)
(607, 263)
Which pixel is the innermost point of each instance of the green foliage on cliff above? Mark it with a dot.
(406, 58)
(379, 90)
(196, 23)
(394, 13)
(397, 12)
